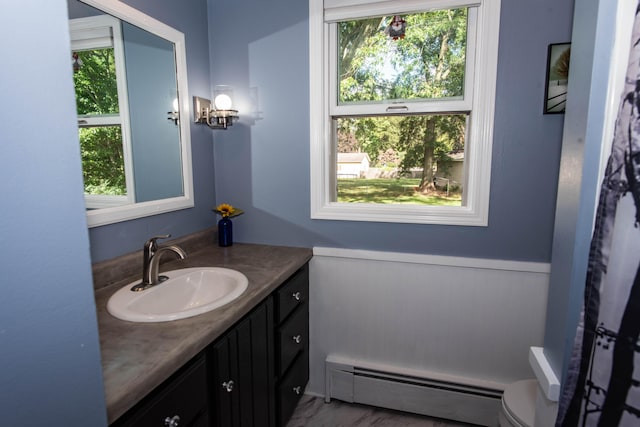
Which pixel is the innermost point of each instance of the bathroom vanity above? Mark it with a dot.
(245, 363)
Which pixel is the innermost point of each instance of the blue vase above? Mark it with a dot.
(225, 232)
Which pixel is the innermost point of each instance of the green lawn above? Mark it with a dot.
(391, 191)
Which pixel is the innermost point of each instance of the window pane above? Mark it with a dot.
(378, 60)
(103, 160)
(95, 82)
(415, 160)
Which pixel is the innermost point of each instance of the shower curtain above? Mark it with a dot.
(602, 387)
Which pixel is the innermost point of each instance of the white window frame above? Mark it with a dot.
(99, 32)
(479, 99)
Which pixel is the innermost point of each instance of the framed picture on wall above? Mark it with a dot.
(557, 78)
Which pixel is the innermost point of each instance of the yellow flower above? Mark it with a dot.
(227, 211)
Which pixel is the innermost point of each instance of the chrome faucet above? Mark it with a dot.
(151, 262)
(153, 278)
(150, 248)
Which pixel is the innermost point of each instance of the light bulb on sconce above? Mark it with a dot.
(222, 102)
(220, 115)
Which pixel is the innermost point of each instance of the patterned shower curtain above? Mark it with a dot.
(603, 385)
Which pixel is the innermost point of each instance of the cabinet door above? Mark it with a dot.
(243, 374)
(225, 403)
(181, 400)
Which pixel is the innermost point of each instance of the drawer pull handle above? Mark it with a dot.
(297, 338)
(172, 421)
(228, 385)
(297, 389)
(296, 296)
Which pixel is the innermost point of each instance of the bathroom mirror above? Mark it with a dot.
(133, 111)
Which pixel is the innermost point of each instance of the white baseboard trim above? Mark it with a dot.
(387, 386)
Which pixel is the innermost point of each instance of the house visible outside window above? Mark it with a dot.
(408, 86)
(103, 119)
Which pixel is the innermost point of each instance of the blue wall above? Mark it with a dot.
(593, 41)
(50, 371)
(262, 163)
(117, 239)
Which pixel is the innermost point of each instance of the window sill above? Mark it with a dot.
(440, 215)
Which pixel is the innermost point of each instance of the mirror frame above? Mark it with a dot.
(116, 214)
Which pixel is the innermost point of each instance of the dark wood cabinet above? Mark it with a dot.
(252, 376)
(179, 401)
(242, 374)
(256, 383)
(292, 343)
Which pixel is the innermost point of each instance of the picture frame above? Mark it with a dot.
(557, 78)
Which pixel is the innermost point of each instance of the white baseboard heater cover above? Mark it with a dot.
(386, 387)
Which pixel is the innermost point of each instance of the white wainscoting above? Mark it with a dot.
(465, 318)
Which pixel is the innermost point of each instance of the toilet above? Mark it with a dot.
(518, 404)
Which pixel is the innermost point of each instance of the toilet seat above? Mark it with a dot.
(519, 404)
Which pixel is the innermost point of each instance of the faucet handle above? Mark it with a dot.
(152, 243)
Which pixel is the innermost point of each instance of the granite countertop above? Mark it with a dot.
(137, 357)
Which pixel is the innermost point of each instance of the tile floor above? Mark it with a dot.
(314, 412)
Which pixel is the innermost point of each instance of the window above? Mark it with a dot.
(103, 120)
(402, 98)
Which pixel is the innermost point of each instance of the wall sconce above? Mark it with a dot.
(175, 114)
(220, 115)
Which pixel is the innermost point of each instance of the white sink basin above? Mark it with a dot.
(187, 292)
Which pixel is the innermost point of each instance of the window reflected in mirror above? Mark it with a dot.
(100, 87)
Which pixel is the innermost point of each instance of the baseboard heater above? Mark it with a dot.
(410, 391)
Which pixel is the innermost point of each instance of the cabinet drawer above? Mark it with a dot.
(183, 396)
(291, 388)
(292, 294)
(293, 337)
